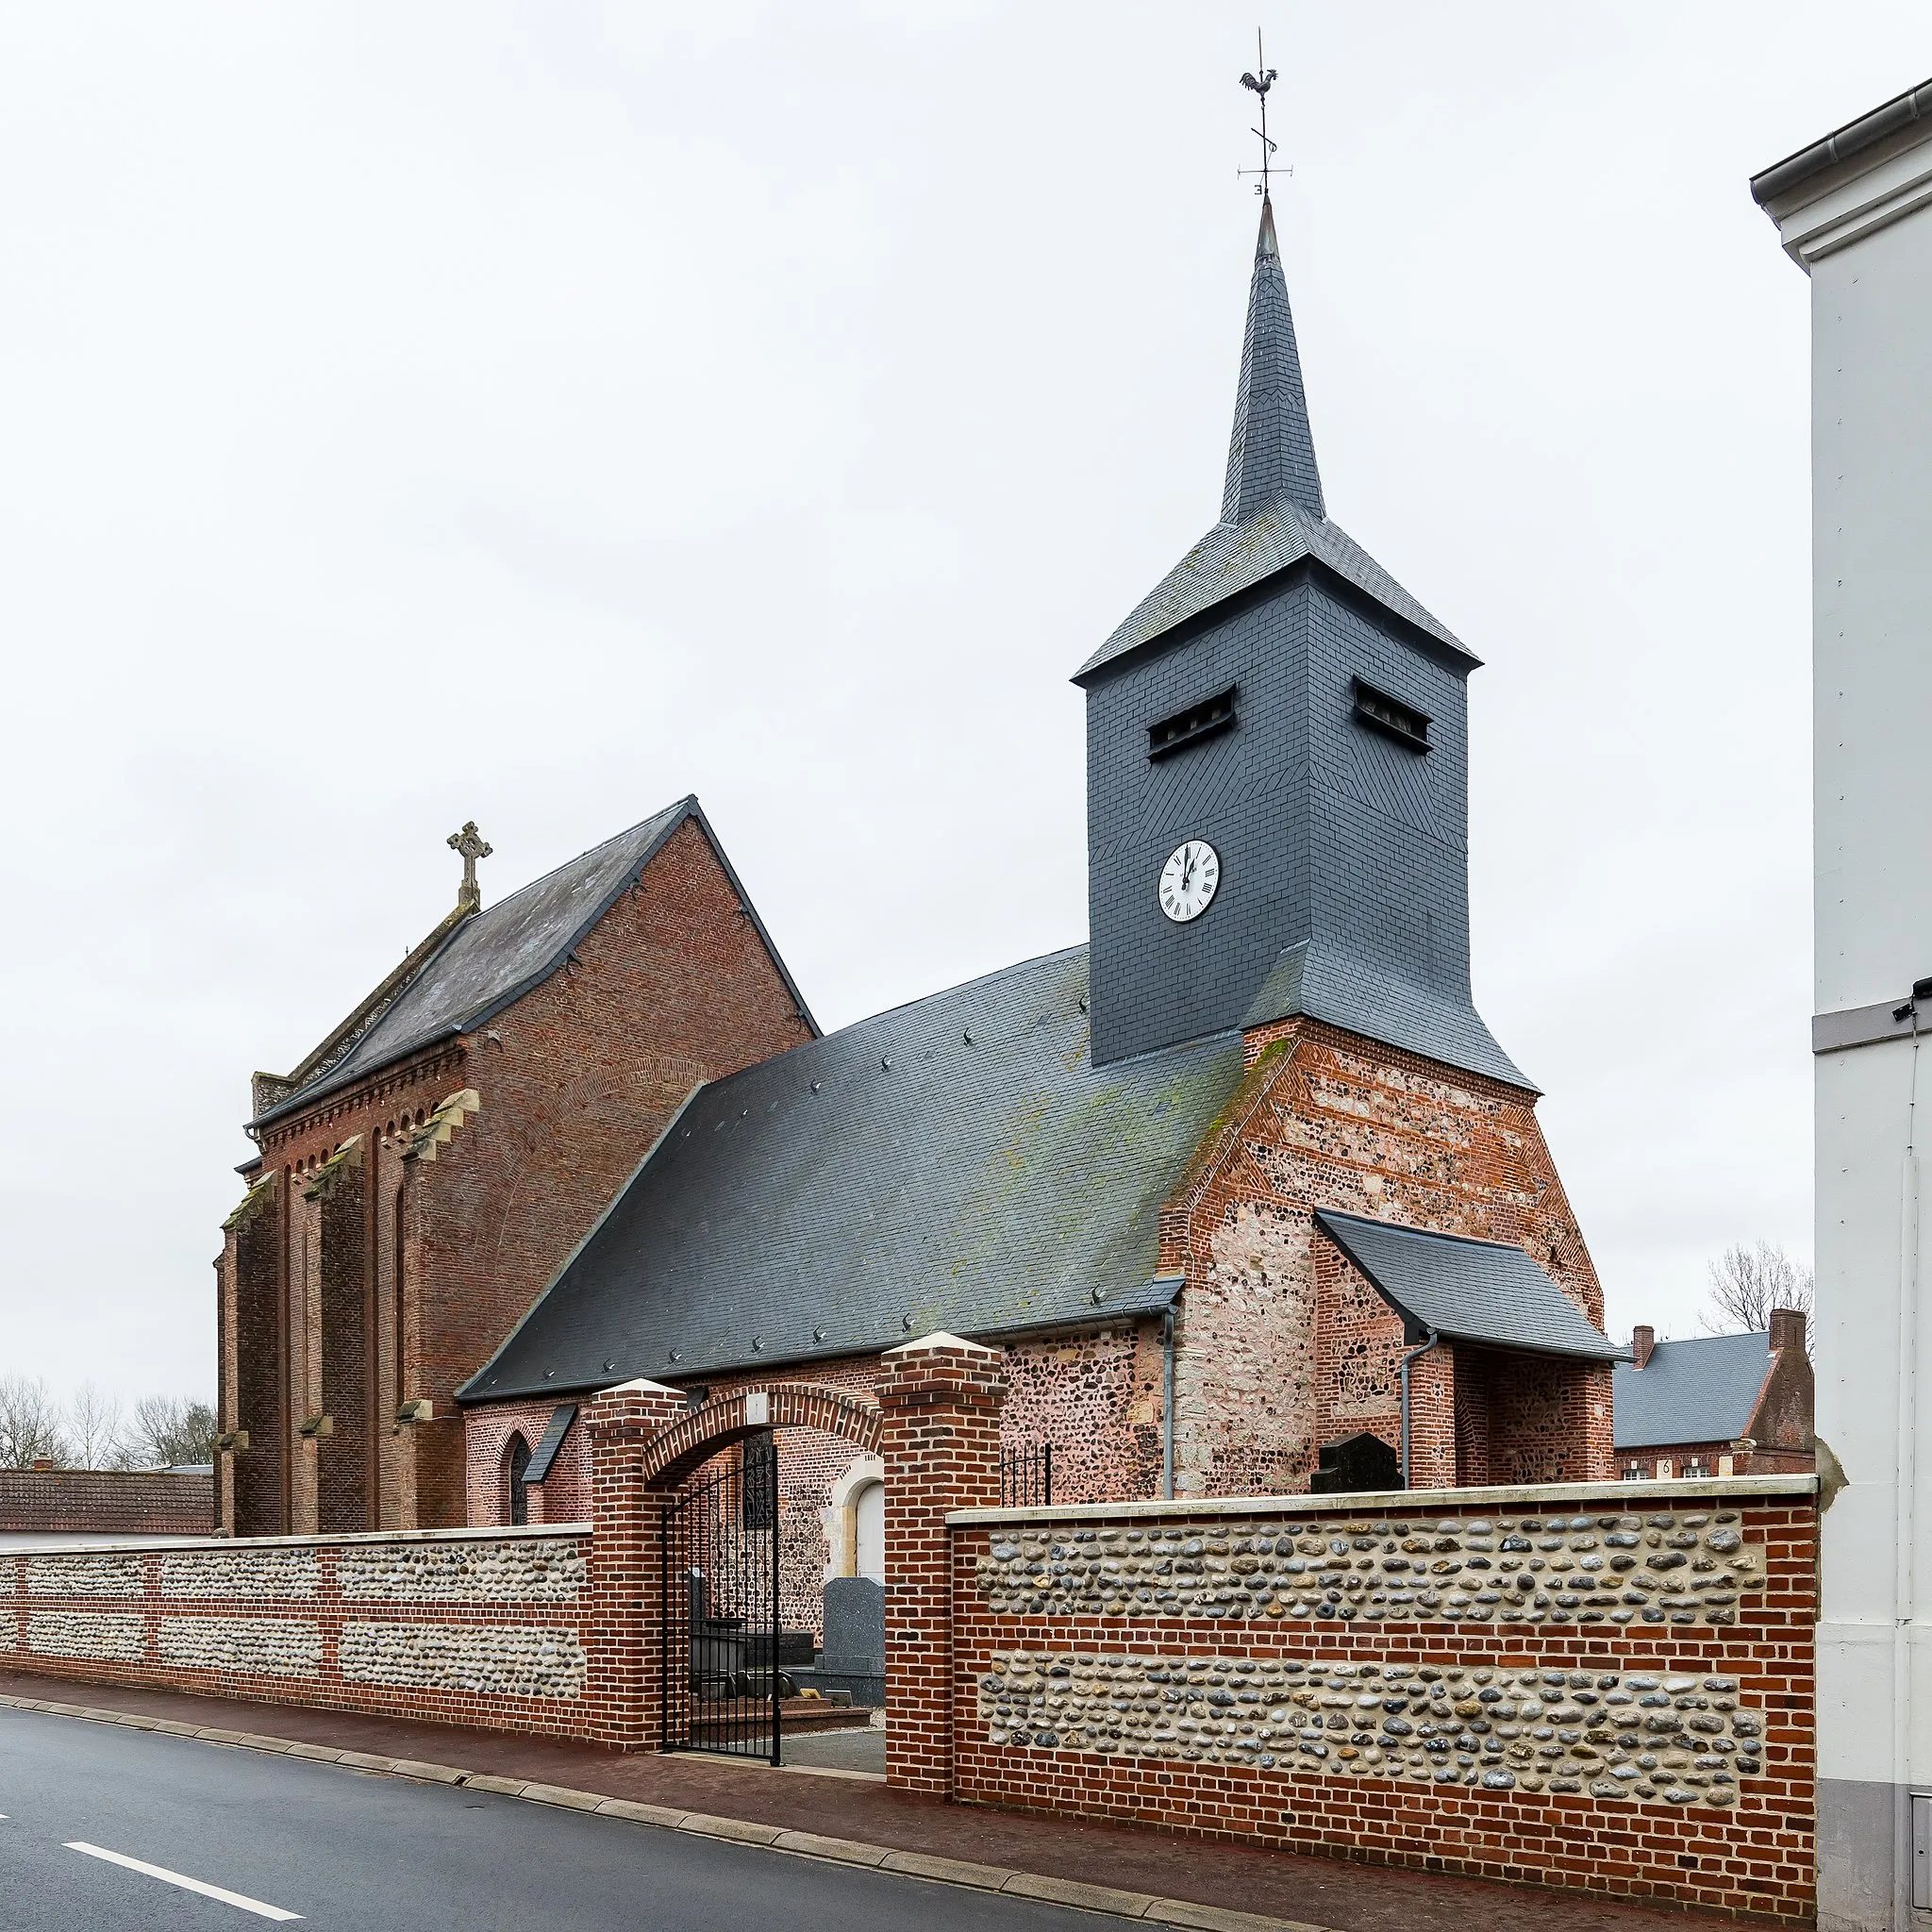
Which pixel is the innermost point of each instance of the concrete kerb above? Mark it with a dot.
(1104, 1899)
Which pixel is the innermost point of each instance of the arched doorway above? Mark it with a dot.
(724, 1678)
(869, 1533)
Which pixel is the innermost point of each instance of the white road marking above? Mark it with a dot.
(167, 1877)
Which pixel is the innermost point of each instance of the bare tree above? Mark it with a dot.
(1750, 1282)
(29, 1424)
(172, 1429)
(94, 1430)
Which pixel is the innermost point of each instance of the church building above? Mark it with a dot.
(1243, 1178)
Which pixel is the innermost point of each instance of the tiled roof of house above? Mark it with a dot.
(958, 1163)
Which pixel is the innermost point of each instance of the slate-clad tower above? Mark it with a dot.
(1280, 699)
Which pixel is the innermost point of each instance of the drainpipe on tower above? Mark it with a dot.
(1167, 1404)
(1414, 1354)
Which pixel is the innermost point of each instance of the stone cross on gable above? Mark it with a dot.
(472, 844)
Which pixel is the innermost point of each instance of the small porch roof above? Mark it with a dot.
(1468, 1290)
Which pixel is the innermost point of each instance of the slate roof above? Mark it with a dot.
(1705, 1390)
(544, 1454)
(1468, 1290)
(492, 958)
(1319, 979)
(1273, 513)
(957, 1163)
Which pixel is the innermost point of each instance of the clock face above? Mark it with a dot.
(1188, 881)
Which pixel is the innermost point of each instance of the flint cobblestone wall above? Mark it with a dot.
(1625, 1710)
(1656, 1566)
(487, 1630)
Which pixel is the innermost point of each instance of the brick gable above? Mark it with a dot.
(475, 1203)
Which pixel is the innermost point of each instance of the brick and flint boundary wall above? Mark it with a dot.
(107, 1502)
(1604, 1688)
(491, 1629)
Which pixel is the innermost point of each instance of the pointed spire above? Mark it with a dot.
(1271, 454)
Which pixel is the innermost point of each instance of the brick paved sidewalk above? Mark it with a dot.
(1346, 1897)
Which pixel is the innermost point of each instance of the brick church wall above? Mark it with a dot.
(574, 1081)
(345, 1321)
(252, 1359)
(1093, 1394)
(1284, 1345)
(1353, 1678)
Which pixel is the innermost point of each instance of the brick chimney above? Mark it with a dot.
(1788, 1329)
(1642, 1340)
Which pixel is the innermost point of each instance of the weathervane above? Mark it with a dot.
(1258, 83)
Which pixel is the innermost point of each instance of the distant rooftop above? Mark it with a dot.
(1704, 1390)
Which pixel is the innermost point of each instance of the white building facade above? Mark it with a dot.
(1854, 211)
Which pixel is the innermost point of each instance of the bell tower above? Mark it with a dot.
(1278, 767)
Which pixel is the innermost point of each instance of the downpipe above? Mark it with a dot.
(1414, 1354)
(1167, 1404)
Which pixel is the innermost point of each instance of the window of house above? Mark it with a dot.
(1636, 1473)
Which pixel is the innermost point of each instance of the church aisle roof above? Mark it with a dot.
(497, 955)
(1704, 1390)
(957, 1163)
(1468, 1290)
(1272, 512)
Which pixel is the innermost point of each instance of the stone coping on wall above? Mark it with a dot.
(1671, 1493)
(177, 1545)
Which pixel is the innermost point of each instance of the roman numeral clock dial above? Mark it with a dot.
(1188, 880)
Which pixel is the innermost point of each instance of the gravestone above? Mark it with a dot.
(854, 1656)
(855, 1627)
(1354, 1465)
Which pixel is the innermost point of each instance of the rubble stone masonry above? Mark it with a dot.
(1284, 1346)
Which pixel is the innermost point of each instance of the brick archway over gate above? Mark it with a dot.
(674, 1453)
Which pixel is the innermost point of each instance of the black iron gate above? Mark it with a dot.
(721, 1687)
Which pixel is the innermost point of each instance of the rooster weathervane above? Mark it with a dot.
(1258, 84)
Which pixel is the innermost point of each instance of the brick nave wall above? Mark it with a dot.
(1444, 1686)
(1282, 1346)
(1095, 1394)
(671, 988)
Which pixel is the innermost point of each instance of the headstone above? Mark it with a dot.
(1357, 1464)
(855, 1627)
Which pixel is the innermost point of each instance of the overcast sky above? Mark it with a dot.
(414, 413)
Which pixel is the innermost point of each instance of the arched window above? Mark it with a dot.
(518, 1462)
(869, 1532)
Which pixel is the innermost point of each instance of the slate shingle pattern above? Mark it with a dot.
(958, 1163)
(504, 951)
(1701, 1390)
(1468, 1290)
(1273, 513)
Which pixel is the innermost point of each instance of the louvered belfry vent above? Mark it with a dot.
(1391, 716)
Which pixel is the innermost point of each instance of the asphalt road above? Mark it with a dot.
(288, 1839)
